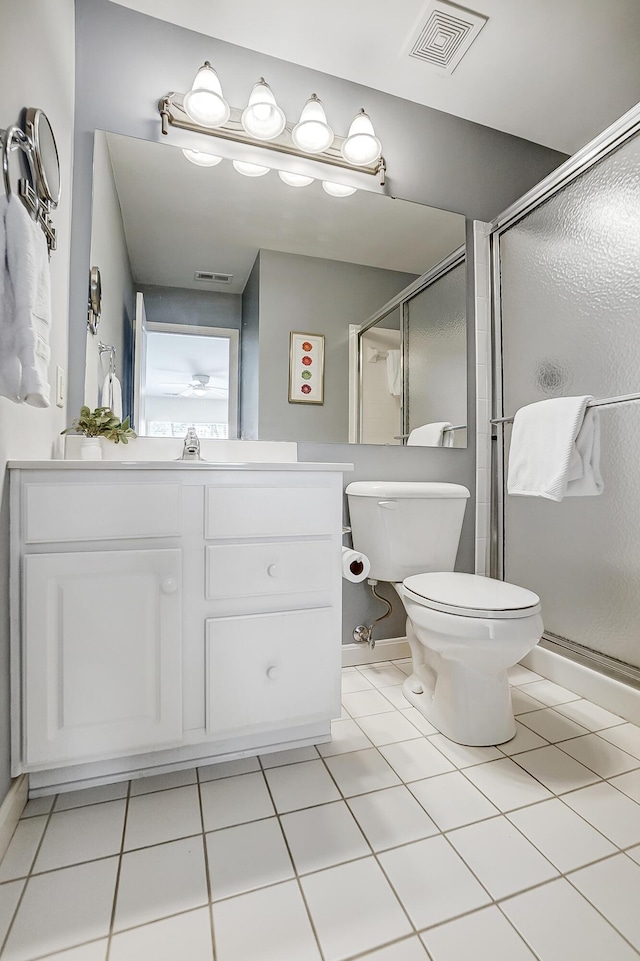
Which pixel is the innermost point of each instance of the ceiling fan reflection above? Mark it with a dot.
(198, 387)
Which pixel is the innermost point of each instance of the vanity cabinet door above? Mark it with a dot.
(102, 654)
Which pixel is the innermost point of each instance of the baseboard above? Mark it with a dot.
(11, 809)
(607, 692)
(388, 649)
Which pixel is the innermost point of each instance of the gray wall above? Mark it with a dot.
(314, 296)
(202, 308)
(250, 355)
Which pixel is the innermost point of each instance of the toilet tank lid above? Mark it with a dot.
(417, 489)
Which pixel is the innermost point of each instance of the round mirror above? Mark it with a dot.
(47, 165)
(95, 299)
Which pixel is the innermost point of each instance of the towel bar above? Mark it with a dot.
(604, 402)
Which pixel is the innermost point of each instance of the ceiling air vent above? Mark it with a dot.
(211, 277)
(446, 35)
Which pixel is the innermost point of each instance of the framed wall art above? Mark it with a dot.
(306, 368)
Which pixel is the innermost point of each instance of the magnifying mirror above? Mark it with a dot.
(95, 299)
(45, 155)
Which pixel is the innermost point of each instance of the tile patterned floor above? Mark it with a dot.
(389, 844)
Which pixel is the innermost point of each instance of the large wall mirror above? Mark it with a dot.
(207, 273)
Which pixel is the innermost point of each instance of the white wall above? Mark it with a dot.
(37, 57)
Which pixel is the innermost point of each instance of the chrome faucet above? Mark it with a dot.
(191, 449)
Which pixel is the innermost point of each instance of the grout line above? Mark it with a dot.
(116, 889)
(207, 870)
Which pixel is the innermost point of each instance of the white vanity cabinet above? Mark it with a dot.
(166, 614)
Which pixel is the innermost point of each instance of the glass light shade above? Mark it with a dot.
(199, 391)
(312, 133)
(204, 104)
(361, 146)
(201, 158)
(262, 118)
(250, 170)
(337, 190)
(294, 180)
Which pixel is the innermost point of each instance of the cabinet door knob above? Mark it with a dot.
(272, 570)
(273, 672)
(169, 585)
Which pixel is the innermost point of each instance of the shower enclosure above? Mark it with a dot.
(566, 288)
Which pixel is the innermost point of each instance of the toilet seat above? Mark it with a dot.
(471, 595)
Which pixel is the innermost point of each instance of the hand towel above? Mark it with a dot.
(555, 450)
(28, 269)
(9, 363)
(394, 373)
(111, 395)
(431, 435)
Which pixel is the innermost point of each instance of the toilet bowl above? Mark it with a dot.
(464, 630)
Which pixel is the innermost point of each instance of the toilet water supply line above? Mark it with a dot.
(363, 634)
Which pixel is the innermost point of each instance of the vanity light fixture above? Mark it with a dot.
(204, 104)
(201, 158)
(262, 123)
(250, 170)
(294, 180)
(262, 118)
(337, 190)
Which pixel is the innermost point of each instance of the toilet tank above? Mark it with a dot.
(406, 528)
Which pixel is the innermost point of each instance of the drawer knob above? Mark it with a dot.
(273, 672)
(272, 570)
(169, 585)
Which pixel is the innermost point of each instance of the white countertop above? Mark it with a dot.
(100, 465)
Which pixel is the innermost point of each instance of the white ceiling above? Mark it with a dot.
(556, 72)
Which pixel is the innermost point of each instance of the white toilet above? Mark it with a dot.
(464, 630)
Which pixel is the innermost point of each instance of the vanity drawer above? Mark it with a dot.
(269, 570)
(100, 512)
(265, 511)
(272, 669)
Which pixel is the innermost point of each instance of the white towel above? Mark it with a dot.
(555, 450)
(28, 271)
(431, 435)
(394, 373)
(111, 395)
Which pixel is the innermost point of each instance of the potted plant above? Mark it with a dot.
(94, 424)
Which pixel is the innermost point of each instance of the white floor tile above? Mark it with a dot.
(247, 856)
(612, 886)
(9, 897)
(625, 736)
(419, 720)
(383, 674)
(598, 755)
(163, 816)
(391, 817)
(62, 909)
(294, 756)
(353, 681)
(90, 795)
(522, 703)
(353, 908)
(591, 716)
(301, 786)
(21, 852)
(561, 835)
(551, 725)
(506, 784)
(629, 784)
(525, 740)
(162, 880)
(555, 769)
(612, 813)
(361, 771)
(522, 675)
(432, 881)
(452, 801)
(413, 760)
(233, 800)
(549, 693)
(95, 951)
(242, 765)
(38, 805)
(485, 935)
(500, 857)
(366, 702)
(185, 936)
(405, 665)
(323, 836)
(267, 925)
(388, 728)
(81, 834)
(161, 782)
(410, 949)
(345, 736)
(560, 925)
(395, 696)
(462, 755)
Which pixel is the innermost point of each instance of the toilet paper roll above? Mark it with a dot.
(355, 566)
